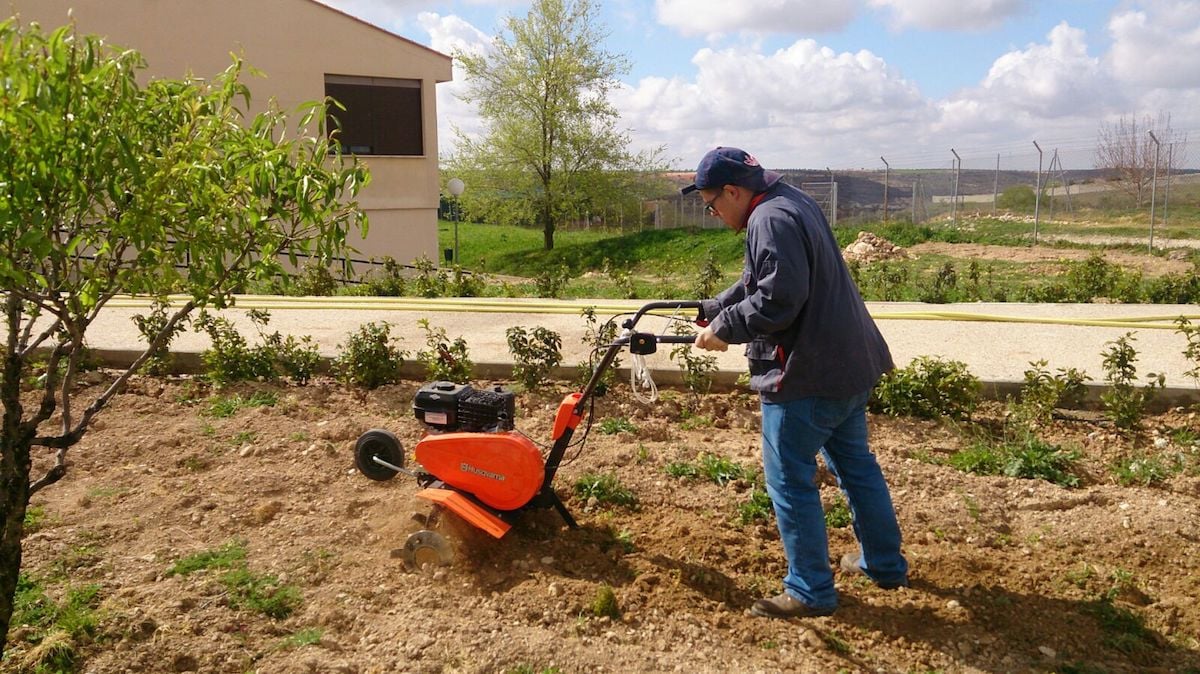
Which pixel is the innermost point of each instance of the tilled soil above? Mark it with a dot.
(1007, 574)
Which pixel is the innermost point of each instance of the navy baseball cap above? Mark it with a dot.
(731, 166)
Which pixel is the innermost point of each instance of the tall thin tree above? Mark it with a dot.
(551, 147)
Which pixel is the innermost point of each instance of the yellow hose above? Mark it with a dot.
(608, 307)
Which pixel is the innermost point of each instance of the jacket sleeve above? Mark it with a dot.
(778, 264)
(710, 309)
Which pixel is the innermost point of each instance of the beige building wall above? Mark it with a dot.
(295, 43)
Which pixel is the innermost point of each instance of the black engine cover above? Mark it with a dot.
(448, 406)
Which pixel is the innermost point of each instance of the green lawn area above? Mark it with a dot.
(674, 263)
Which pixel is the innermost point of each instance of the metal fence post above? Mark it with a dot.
(996, 185)
(1037, 195)
(957, 170)
(887, 171)
(1153, 187)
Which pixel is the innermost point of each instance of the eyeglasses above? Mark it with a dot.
(708, 205)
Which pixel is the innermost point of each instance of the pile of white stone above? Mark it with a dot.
(868, 248)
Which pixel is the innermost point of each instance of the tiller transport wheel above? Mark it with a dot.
(379, 455)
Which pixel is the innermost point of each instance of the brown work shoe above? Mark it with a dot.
(852, 563)
(786, 606)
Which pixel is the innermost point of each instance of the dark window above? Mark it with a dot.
(382, 115)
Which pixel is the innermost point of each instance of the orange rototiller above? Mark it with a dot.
(474, 463)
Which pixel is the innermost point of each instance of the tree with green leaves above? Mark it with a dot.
(109, 187)
(551, 149)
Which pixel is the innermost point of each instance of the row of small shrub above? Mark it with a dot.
(423, 278)
(933, 388)
(1082, 282)
(928, 387)
(371, 356)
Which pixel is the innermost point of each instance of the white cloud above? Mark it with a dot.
(1158, 46)
(1034, 87)
(805, 101)
(450, 35)
(951, 14)
(720, 17)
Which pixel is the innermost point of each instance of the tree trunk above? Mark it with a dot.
(547, 227)
(14, 491)
(14, 495)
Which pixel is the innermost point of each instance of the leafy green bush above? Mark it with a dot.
(606, 488)
(231, 358)
(597, 336)
(621, 279)
(160, 360)
(314, 280)
(1143, 470)
(928, 388)
(1174, 288)
(430, 281)
(462, 283)
(1192, 351)
(1042, 392)
(716, 469)
(1085, 281)
(386, 281)
(707, 282)
(369, 358)
(1027, 458)
(887, 281)
(614, 425)
(838, 515)
(35, 516)
(1017, 198)
(604, 604)
(943, 288)
(444, 360)
(1123, 402)
(550, 281)
(535, 354)
(297, 358)
(222, 408)
(1097, 277)
(758, 507)
(697, 370)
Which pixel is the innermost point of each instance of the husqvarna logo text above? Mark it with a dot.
(468, 468)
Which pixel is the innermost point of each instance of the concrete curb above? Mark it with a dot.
(672, 378)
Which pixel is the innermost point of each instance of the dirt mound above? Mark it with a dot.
(868, 248)
(1008, 574)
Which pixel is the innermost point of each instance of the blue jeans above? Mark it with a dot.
(793, 433)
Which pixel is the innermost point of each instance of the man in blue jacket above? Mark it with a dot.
(814, 355)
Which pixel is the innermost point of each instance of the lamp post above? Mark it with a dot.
(456, 187)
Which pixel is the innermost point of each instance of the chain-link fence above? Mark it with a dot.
(1043, 182)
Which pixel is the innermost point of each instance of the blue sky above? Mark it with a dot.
(840, 83)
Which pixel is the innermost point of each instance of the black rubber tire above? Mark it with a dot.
(381, 443)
